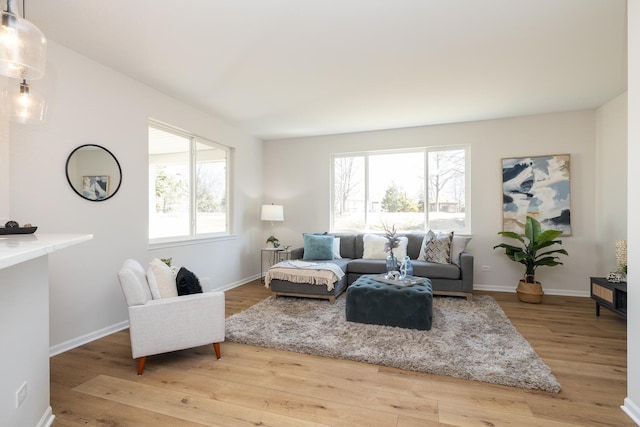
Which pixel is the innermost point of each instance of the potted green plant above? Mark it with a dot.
(393, 241)
(531, 254)
(274, 241)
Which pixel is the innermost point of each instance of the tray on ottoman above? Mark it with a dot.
(373, 302)
(407, 281)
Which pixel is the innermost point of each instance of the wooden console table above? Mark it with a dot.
(610, 295)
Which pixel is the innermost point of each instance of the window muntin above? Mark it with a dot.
(188, 185)
(393, 188)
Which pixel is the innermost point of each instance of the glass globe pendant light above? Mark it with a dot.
(22, 104)
(22, 47)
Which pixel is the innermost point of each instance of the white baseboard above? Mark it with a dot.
(92, 336)
(46, 420)
(87, 338)
(512, 290)
(237, 283)
(632, 410)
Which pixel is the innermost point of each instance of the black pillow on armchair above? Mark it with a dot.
(187, 283)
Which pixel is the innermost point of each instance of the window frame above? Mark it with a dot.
(193, 236)
(424, 151)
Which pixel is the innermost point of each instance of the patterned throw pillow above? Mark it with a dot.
(436, 247)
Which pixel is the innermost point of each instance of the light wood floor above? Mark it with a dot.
(97, 385)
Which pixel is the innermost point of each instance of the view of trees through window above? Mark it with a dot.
(414, 190)
(187, 185)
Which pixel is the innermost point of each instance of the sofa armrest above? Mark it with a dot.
(466, 271)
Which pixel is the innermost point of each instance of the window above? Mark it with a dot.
(188, 185)
(415, 190)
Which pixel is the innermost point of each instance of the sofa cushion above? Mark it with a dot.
(414, 244)
(374, 247)
(436, 247)
(347, 245)
(318, 247)
(458, 245)
(434, 270)
(161, 280)
(366, 266)
(336, 247)
(187, 283)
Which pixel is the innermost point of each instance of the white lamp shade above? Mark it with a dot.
(22, 47)
(272, 213)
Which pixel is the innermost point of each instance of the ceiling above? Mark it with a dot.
(289, 68)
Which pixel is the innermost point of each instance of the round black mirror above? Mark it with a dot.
(93, 172)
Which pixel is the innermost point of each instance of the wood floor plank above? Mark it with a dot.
(581, 411)
(209, 412)
(96, 384)
(478, 417)
(332, 386)
(86, 410)
(317, 400)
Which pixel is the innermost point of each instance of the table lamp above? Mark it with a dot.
(272, 213)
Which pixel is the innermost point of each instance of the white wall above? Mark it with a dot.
(611, 181)
(632, 402)
(92, 104)
(297, 175)
(4, 167)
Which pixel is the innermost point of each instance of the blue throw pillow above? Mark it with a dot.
(318, 247)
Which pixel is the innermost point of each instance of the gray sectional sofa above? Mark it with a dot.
(454, 279)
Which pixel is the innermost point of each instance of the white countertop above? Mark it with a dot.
(17, 248)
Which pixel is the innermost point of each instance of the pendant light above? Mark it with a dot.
(23, 104)
(22, 56)
(22, 46)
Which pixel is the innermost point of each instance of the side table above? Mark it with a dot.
(273, 257)
(610, 295)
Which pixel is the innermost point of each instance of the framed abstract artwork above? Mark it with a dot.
(539, 187)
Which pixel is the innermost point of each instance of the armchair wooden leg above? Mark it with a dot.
(141, 364)
(216, 347)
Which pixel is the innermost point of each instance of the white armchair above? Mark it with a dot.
(168, 324)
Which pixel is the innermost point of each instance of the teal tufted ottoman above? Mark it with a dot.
(369, 301)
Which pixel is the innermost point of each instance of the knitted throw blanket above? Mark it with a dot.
(295, 271)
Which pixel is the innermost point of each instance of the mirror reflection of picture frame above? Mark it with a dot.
(93, 172)
(95, 187)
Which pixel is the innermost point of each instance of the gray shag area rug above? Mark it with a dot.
(473, 340)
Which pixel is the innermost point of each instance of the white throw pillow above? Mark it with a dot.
(436, 247)
(458, 245)
(374, 247)
(162, 278)
(336, 247)
(401, 251)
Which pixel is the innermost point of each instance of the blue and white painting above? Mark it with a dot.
(539, 187)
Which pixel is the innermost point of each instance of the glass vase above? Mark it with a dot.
(406, 268)
(392, 263)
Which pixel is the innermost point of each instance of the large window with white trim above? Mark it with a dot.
(415, 190)
(188, 185)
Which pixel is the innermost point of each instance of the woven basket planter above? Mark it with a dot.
(530, 292)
